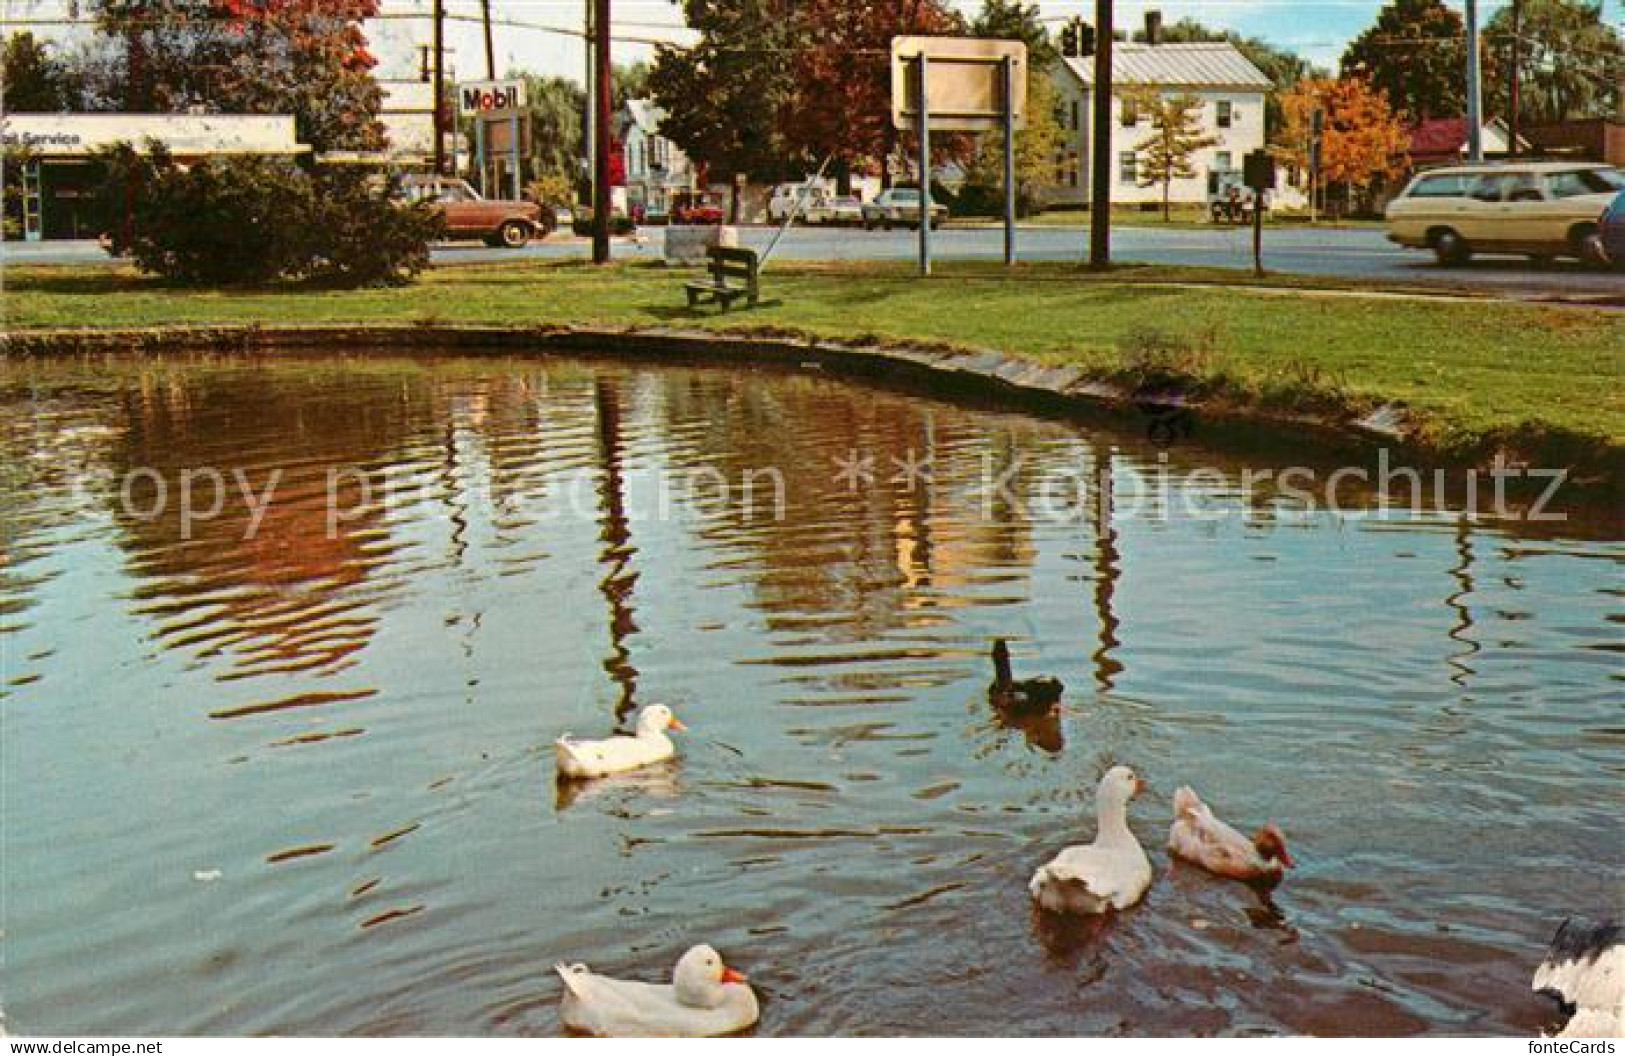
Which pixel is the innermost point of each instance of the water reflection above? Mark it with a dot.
(1429, 706)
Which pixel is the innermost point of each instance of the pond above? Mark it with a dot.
(287, 641)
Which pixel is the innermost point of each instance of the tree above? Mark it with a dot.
(1014, 20)
(1416, 55)
(630, 81)
(1284, 68)
(1037, 142)
(722, 97)
(841, 72)
(1571, 62)
(1176, 135)
(1035, 155)
(1362, 141)
(554, 108)
(35, 81)
(307, 58)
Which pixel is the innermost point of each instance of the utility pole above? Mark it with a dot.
(1475, 98)
(439, 87)
(1515, 79)
(1100, 161)
(600, 154)
(588, 120)
(490, 47)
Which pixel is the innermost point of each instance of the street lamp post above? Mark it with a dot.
(1100, 162)
(601, 127)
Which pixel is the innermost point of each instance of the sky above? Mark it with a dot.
(1316, 29)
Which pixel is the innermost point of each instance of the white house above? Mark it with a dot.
(1231, 91)
(655, 167)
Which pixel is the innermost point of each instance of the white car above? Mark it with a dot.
(1536, 209)
(900, 207)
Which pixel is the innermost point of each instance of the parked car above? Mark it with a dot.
(1613, 231)
(497, 221)
(695, 207)
(842, 209)
(900, 207)
(1540, 210)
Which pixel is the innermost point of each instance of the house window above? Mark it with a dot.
(1222, 161)
(1128, 167)
(1077, 115)
(1131, 112)
(1226, 114)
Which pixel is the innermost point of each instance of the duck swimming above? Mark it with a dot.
(1585, 971)
(1030, 696)
(616, 755)
(1200, 838)
(1110, 873)
(705, 999)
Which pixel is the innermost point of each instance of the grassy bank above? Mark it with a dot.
(1473, 374)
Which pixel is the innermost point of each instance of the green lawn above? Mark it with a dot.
(1473, 370)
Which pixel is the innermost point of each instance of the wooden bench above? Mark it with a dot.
(732, 274)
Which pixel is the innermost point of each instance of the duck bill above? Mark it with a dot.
(1140, 786)
(731, 976)
(676, 724)
(1286, 859)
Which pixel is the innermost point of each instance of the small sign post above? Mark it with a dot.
(975, 86)
(1259, 170)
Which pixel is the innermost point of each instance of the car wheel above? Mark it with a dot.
(513, 234)
(1451, 249)
(885, 225)
(1587, 242)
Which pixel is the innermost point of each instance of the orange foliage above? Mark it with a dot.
(1362, 141)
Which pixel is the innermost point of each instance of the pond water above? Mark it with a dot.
(286, 768)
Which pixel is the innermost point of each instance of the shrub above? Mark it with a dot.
(619, 224)
(364, 235)
(255, 220)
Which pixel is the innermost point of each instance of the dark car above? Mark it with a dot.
(1613, 231)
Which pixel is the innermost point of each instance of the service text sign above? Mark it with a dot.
(490, 97)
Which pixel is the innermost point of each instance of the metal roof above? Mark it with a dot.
(1216, 64)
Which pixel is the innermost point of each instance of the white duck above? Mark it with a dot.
(1111, 873)
(1200, 838)
(705, 999)
(616, 755)
(1585, 970)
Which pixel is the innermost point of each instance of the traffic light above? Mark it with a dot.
(1086, 39)
(1077, 39)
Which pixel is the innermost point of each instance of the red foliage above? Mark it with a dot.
(842, 73)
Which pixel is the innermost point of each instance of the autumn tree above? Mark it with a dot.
(840, 107)
(1572, 62)
(1362, 140)
(1414, 54)
(307, 58)
(723, 96)
(1169, 152)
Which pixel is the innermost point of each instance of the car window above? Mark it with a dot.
(1584, 181)
(905, 195)
(1449, 185)
(1492, 187)
(1525, 187)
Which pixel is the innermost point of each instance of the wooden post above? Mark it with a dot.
(602, 200)
(1100, 186)
(1009, 161)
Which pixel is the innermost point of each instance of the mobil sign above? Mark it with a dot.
(490, 97)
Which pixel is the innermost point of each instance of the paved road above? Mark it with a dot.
(1348, 253)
